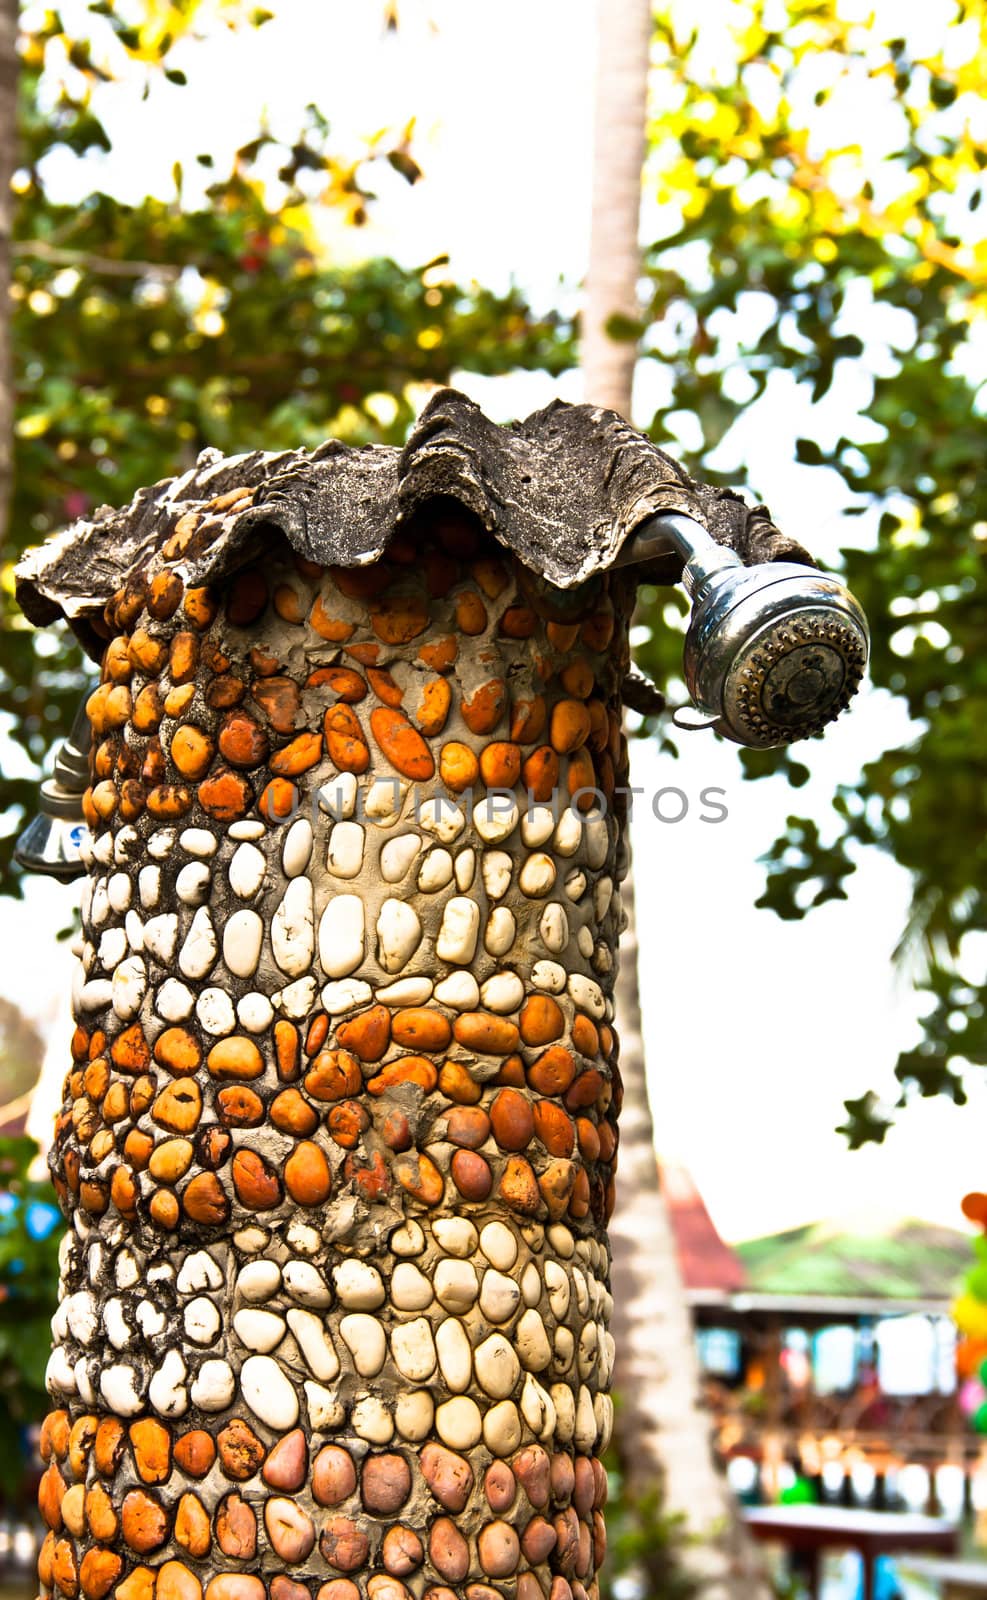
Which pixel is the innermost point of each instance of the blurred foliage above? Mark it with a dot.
(29, 1237)
(21, 1052)
(819, 171)
(145, 332)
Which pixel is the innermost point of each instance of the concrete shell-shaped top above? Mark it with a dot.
(562, 490)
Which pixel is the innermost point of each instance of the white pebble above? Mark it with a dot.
(192, 884)
(129, 986)
(269, 1393)
(465, 869)
(243, 936)
(565, 1350)
(371, 1420)
(96, 996)
(297, 999)
(458, 934)
(397, 855)
(602, 896)
(198, 842)
(59, 1373)
(561, 1240)
(345, 995)
(497, 1366)
(199, 951)
(125, 840)
(202, 1320)
(338, 797)
(258, 1281)
(406, 992)
(115, 1324)
(161, 936)
(538, 1410)
(553, 928)
(260, 1331)
(597, 837)
(531, 1341)
(118, 1386)
(149, 887)
(384, 801)
(254, 1012)
(248, 829)
(118, 891)
(502, 1429)
(499, 1245)
(455, 1285)
(414, 1414)
(455, 1354)
(565, 1412)
(246, 871)
(408, 1239)
(495, 818)
(112, 948)
(530, 1285)
(305, 1283)
(410, 1289)
(584, 942)
(569, 833)
(557, 1285)
(399, 934)
(344, 856)
(575, 883)
(537, 826)
(587, 995)
(456, 1235)
(501, 931)
(537, 875)
(435, 871)
(413, 1349)
(214, 1009)
(499, 1296)
(458, 1423)
(584, 1435)
(135, 932)
(161, 843)
(359, 1286)
(366, 1341)
(199, 1271)
(497, 868)
(314, 1342)
(549, 976)
(502, 993)
(297, 849)
(460, 992)
(341, 934)
(441, 818)
(301, 1238)
(325, 1411)
(293, 929)
(166, 1391)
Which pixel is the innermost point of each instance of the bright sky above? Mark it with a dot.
(757, 1030)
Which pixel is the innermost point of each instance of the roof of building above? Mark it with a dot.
(704, 1260)
(871, 1258)
(563, 490)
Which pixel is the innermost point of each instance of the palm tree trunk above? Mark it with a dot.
(623, 44)
(663, 1433)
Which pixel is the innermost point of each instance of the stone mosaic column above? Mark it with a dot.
(338, 1137)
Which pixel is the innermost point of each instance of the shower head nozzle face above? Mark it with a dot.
(775, 652)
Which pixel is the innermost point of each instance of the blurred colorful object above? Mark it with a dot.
(970, 1316)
